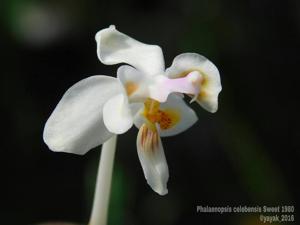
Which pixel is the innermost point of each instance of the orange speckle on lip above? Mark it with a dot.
(166, 118)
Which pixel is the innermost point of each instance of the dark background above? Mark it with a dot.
(245, 154)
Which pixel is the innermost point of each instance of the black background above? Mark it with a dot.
(245, 154)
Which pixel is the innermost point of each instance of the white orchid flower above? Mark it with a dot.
(144, 94)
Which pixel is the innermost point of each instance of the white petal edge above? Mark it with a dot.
(114, 47)
(117, 114)
(175, 102)
(153, 161)
(76, 124)
(187, 62)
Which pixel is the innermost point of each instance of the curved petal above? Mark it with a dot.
(117, 114)
(76, 124)
(152, 158)
(177, 116)
(114, 47)
(210, 85)
(134, 82)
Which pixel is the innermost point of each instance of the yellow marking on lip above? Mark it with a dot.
(130, 87)
(166, 118)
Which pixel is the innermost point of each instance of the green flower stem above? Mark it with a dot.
(103, 183)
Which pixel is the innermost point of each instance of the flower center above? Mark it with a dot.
(166, 118)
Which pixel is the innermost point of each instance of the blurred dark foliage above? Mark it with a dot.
(245, 154)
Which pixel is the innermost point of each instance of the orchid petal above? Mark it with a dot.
(152, 158)
(179, 115)
(76, 124)
(135, 107)
(210, 85)
(117, 114)
(134, 82)
(114, 47)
